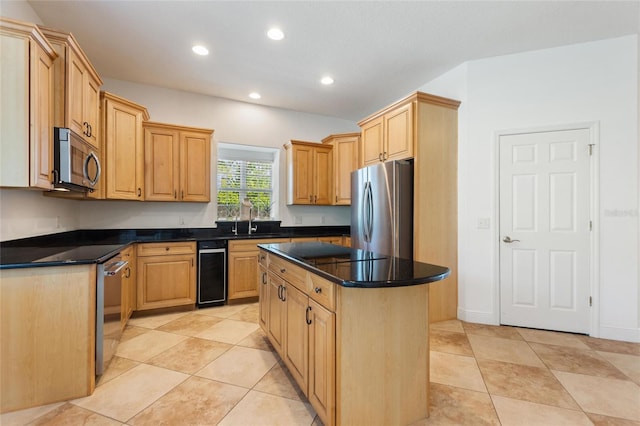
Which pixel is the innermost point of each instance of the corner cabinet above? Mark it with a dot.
(77, 95)
(425, 127)
(166, 275)
(388, 136)
(345, 160)
(309, 173)
(26, 101)
(177, 163)
(123, 147)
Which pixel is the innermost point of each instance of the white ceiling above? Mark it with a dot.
(377, 51)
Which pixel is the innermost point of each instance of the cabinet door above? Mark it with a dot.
(322, 371)
(123, 170)
(277, 313)
(302, 170)
(195, 165)
(75, 105)
(41, 118)
(243, 274)
(322, 175)
(296, 352)
(345, 156)
(162, 164)
(92, 110)
(165, 281)
(398, 126)
(263, 284)
(372, 142)
(128, 283)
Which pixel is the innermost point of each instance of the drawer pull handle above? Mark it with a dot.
(282, 270)
(306, 315)
(318, 290)
(166, 248)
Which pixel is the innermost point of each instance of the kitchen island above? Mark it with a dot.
(352, 328)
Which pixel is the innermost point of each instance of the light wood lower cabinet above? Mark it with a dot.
(128, 285)
(303, 332)
(166, 275)
(47, 323)
(243, 274)
(360, 355)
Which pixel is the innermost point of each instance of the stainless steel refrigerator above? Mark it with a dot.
(382, 208)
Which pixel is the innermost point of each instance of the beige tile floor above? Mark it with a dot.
(215, 366)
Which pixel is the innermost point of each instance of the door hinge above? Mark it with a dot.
(591, 145)
(590, 301)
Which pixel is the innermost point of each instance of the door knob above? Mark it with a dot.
(508, 240)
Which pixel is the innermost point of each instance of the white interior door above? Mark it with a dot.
(545, 230)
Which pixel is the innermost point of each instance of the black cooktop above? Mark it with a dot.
(321, 253)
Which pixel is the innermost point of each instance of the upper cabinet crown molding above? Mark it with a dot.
(415, 96)
(26, 101)
(77, 87)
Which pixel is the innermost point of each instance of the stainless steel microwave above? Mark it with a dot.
(76, 166)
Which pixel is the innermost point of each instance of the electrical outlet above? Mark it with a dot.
(298, 220)
(181, 220)
(484, 223)
(322, 220)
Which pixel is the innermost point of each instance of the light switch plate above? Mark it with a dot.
(484, 223)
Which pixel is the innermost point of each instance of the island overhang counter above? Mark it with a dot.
(352, 327)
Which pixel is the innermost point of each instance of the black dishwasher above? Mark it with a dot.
(212, 273)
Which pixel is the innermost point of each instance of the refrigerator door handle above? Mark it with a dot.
(368, 211)
(366, 205)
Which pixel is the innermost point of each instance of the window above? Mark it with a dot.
(245, 172)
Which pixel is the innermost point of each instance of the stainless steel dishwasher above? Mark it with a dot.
(108, 310)
(212, 273)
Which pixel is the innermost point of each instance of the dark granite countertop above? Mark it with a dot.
(98, 245)
(357, 268)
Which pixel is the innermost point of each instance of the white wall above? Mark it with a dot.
(590, 82)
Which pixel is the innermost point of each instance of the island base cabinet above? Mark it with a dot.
(263, 304)
(382, 355)
(47, 323)
(322, 371)
(296, 347)
(276, 324)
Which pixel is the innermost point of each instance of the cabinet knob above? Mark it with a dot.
(318, 290)
(282, 270)
(166, 248)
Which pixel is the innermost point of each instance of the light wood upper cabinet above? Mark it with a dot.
(26, 101)
(345, 160)
(177, 163)
(123, 152)
(77, 93)
(388, 136)
(309, 173)
(165, 280)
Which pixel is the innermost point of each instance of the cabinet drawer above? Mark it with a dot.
(159, 249)
(289, 272)
(263, 258)
(321, 291)
(248, 245)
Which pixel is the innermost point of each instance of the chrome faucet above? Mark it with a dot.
(254, 228)
(235, 227)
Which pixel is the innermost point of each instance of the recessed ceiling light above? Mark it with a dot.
(326, 80)
(200, 50)
(254, 95)
(275, 34)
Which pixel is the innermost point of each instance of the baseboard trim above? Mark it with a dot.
(619, 333)
(480, 317)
